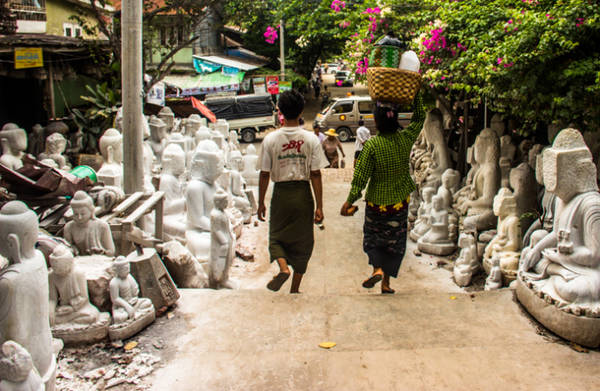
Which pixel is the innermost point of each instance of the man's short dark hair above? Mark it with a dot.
(361, 122)
(291, 104)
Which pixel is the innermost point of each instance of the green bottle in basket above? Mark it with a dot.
(85, 172)
(386, 52)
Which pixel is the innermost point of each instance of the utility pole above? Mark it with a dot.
(132, 90)
(281, 51)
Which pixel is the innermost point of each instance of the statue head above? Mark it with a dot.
(55, 144)
(13, 139)
(166, 114)
(18, 231)
(207, 162)
(437, 202)
(487, 147)
(221, 199)
(251, 150)
(519, 177)
(111, 146)
(158, 129)
(450, 178)
(497, 125)
(38, 130)
(428, 193)
(179, 139)
(466, 240)
(15, 362)
(504, 203)
(192, 124)
(222, 126)
(121, 267)
(83, 208)
(433, 126)
(203, 133)
(532, 155)
(173, 160)
(568, 166)
(236, 161)
(62, 261)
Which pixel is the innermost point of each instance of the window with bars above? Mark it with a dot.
(29, 9)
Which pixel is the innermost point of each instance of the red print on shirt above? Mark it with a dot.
(293, 145)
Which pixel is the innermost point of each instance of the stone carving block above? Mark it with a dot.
(152, 276)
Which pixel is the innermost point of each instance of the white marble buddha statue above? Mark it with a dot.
(17, 372)
(506, 244)
(158, 136)
(494, 279)
(173, 167)
(55, 147)
(24, 304)
(250, 172)
(192, 125)
(222, 126)
(14, 144)
(69, 299)
(467, 262)
(437, 239)
(167, 116)
(124, 291)
(507, 158)
(548, 203)
(237, 185)
(111, 148)
(437, 147)
(207, 167)
(422, 223)
(464, 192)
(486, 182)
(88, 234)
(565, 264)
(203, 133)
(222, 243)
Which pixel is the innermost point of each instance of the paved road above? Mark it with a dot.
(430, 335)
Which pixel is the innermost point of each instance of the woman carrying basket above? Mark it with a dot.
(384, 165)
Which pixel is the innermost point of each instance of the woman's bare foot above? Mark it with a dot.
(374, 279)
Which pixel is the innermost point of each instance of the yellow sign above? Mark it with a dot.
(28, 58)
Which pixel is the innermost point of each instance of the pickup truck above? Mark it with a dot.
(246, 114)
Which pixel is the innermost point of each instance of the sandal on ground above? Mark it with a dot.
(388, 291)
(277, 281)
(371, 281)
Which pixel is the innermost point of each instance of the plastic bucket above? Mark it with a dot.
(85, 172)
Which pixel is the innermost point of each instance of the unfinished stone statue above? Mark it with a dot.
(486, 182)
(158, 136)
(559, 282)
(17, 372)
(422, 222)
(24, 289)
(467, 263)
(437, 240)
(203, 133)
(237, 185)
(494, 279)
(249, 172)
(464, 192)
(130, 312)
(111, 148)
(55, 147)
(507, 158)
(522, 181)
(173, 166)
(88, 234)
(437, 147)
(72, 317)
(166, 115)
(222, 243)
(506, 245)
(192, 125)
(546, 220)
(119, 123)
(497, 125)
(207, 166)
(14, 144)
(35, 140)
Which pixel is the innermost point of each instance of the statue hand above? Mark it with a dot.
(96, 250)
(551, 254)
(64, 310)
(77, 302)
(532, 258)
(130, 311)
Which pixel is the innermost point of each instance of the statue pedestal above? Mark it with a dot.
(131, 327)
(73, 334)
(152, 276)
(580, 329)
(439, 248)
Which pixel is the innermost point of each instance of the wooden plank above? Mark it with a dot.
(123, 206)
(146, 207)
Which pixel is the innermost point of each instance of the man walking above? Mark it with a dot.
(362, 135)
(293, 158)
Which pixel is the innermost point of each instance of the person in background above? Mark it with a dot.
(317, 87)
(292, 158)
(331, 144)
(362, 135)
(318, 133)
(324, 98)
(384, 165)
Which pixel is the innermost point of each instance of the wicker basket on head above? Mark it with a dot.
(393, 84)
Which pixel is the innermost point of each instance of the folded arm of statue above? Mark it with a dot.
(533, 256)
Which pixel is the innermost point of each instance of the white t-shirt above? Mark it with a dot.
(290, 154)
(362, 135)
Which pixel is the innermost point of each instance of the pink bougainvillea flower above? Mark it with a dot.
(344, 24)
(337, 5)
(580, 22)
(270, 35)
(499, 60)
(509, 21)
(338, 83)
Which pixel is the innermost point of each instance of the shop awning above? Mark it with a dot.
(210, 83)
(227, 64)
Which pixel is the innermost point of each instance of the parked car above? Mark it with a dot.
(345, 78)
(332, 68)
(343, 115)
(246, 114)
